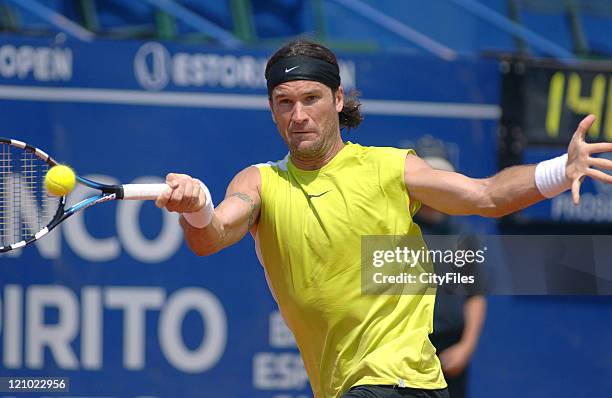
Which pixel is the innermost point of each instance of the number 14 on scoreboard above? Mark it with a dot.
(580, 104)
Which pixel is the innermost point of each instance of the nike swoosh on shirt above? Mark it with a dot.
(287, 70)
(310, 196)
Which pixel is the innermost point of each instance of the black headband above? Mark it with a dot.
(300, 67)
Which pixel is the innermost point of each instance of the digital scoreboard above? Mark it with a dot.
(542, 104)
(557, 98)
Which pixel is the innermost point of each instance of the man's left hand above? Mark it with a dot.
(580, 163)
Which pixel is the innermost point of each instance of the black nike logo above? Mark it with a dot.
(310, 196)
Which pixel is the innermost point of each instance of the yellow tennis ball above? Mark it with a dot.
(60, 180)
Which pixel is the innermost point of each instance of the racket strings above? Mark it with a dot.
(25, 205)
(6, 215)
(28, 183)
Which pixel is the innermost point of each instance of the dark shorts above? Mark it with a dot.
(394, 392)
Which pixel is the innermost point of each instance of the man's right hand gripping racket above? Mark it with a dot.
(28, 212)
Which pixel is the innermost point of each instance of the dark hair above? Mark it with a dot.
(350, 116)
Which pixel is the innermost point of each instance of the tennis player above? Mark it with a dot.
(308, 211)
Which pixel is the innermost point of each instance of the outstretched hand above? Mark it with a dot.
(580, 163)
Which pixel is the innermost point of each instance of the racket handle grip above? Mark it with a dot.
(143, 191)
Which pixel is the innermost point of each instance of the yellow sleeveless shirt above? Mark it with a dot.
(308, 240)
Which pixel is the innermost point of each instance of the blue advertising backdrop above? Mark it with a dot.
(113, 299)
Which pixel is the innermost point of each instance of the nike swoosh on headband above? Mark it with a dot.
(287, 70)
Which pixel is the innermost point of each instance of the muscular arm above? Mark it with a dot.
(232, 219)
(510, 190)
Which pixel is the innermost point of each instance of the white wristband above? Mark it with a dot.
(202, 217)
(550, 176)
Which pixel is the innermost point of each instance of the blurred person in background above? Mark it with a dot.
(458, 315)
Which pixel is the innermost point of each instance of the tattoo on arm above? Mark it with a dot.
(247, 199)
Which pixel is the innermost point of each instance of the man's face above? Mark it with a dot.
(306, 115)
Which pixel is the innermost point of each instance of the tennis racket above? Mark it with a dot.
(28, 212)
